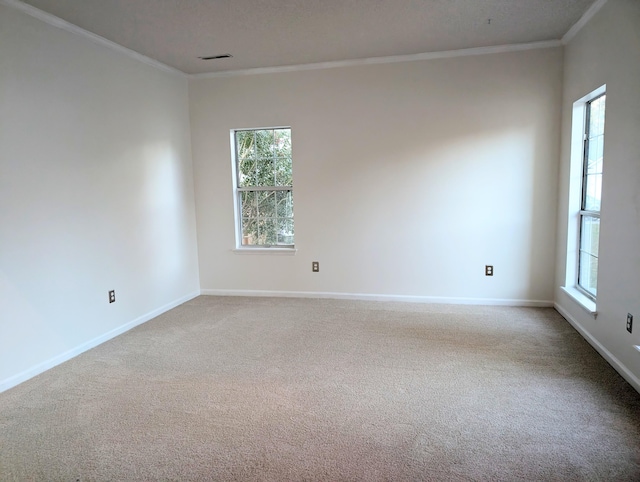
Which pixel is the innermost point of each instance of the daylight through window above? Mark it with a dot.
(264, 187)
(591, 196)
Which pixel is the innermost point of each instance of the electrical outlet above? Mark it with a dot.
(315, 266)
(629, 322)
(112, 296)
(488, 270)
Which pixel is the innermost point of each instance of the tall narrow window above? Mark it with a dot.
(263, 187)
(591, 196)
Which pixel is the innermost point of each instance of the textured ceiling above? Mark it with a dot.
(271, 33)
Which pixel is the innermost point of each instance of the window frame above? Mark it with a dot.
(237, 201)
(584, 212)
(576, 200)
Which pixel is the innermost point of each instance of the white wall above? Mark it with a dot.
(607, 51)
(408, 177)
(96, 193)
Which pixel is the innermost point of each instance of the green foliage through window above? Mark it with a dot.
(265, 186)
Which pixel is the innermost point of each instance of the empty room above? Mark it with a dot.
(320, 240)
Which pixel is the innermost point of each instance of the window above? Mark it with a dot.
(585, 196)
(591, 196)
(263, 188)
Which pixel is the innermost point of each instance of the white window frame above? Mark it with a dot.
(237, 201)
(576, 193)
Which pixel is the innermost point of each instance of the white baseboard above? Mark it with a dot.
(374, 297)
(606, 354)
(14, 380)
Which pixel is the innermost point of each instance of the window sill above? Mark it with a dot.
(274, 251)
(582, 300)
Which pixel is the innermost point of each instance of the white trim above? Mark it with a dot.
(383, 60)
(74, 29)
(588, 15)
(581, 300)
(379, 297)
(275, 251)
(237, 222)
(606, 354)
(14, 380)
(63, 24)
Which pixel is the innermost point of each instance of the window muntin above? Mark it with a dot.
(264, 187)
(588, 243)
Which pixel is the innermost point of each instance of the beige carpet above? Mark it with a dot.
(293, 389)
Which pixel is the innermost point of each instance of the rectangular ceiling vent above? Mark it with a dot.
(215, 57)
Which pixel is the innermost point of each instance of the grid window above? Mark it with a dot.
(591, 197)
(264, 187)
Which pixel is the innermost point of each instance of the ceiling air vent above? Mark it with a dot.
(215, 57)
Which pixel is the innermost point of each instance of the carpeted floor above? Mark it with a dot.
(299, 389)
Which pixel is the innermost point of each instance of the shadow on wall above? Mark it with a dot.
(121, 224)
(161, 205)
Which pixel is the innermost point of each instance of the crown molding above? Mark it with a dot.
(64, 25)
(383, 60)
(588, 15)
(69, 27)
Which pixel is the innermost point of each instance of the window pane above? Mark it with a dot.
(284, 207)
(595, 150)
(245, 145)
(588, 276)
(266, 204)
(282, 143)
(249, 207)
(593, 192)
(596, 117)
(598, 164)
(264, 144)
(283, 174)
(589, 246)
(285, 231)
(249, 231)
(264, 157)
(265, 175)
(590, 235)
(267, 231)
(246, 172)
